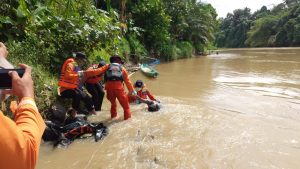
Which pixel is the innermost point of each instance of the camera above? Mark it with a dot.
(5, 78)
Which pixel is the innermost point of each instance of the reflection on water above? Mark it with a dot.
(237, 109)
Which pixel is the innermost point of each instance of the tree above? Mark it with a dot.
(234, 28)
(150, 15)
(262, 32)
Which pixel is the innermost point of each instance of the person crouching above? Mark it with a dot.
(95, 87)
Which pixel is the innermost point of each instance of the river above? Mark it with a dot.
(236, 109)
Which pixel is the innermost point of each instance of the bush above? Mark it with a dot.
(34, 55)
(123, 48)
(136, 47)
(99, 54)
(185, 49)
(152, 18)
(168, 52)
(31, 51)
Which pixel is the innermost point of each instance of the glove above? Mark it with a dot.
(80, 74)
(134, 93)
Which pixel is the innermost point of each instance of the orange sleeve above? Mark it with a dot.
(95, 72)
(20, 140)
(126, 80)
(69, 71)
(150, 96)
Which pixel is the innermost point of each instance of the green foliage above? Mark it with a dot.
(260, 33)
(79, 27)
(98, 55)
(45, 33)
(123, 48)
(152, 18)
(278, 26)
(233, 29)
(191, 21)
(177, 51)
(168, 52)
(201, 21)
(136, 47)
(30, 53)
(185, 49)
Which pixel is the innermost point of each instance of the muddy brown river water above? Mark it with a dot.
(238, 109)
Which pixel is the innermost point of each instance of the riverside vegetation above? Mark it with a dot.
(43, 33)
(278, 26)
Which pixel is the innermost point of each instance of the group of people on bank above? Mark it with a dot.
(113, 75)
(63, 129)
(21, 136)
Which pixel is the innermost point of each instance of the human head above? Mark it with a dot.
(101, 63)
(80, 58)
(116, 59)
(139, 84)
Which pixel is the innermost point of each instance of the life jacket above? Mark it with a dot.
(143, 93)
(70, 83)
(114, 73)
(94, 79)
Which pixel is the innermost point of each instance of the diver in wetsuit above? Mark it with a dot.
(63, 131)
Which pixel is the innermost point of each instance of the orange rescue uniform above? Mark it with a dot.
(69, 78)
(144, 94)
(94, 79)
(20, 140)
(115, 90)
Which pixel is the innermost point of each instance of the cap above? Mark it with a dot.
(116, 59)
(80, 55)
(101, 63)
(138, 83)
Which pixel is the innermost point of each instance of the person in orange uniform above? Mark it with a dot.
(115, 75)
(20, 139)
(142, 92)
(71, 86)
(95, 87)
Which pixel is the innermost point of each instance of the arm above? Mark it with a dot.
(148, 102)
(126, 80)
(150, 95)
(20, 140)
(95, 72)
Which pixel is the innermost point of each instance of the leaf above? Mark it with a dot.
(6, 20)
(22, 9)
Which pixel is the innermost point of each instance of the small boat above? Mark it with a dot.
(153, 63)
(148, 70)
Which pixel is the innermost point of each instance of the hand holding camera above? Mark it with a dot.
(19, 80)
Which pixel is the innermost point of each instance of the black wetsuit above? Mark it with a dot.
(72, 128)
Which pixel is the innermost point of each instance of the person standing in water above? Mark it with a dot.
(115, 75)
